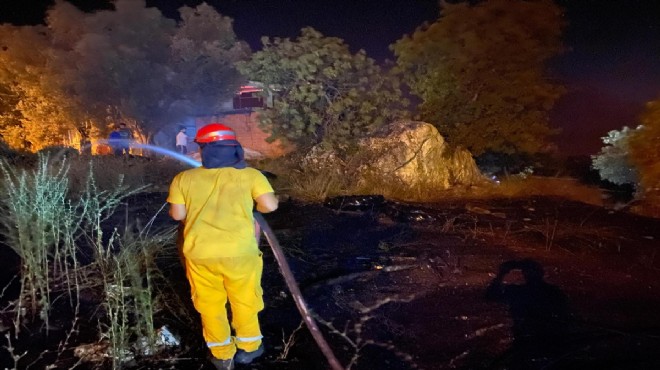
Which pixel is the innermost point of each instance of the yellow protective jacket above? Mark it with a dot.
(219, 204)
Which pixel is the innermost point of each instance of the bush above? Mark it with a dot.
(613, 162)
(313, 183)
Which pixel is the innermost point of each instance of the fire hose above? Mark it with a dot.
(295, 292)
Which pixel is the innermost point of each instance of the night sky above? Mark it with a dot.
(611, 70)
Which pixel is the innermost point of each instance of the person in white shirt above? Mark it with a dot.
(182, 141)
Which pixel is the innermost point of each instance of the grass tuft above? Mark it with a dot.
(51, 217)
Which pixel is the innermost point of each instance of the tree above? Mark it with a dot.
(204, 50)
(645, 151)
(88, 116)
(34, 114)
(323, 92)
(480, 72)
(122, 65)
(83, 71)
(10, 118)
(134, 64)
(613, 162)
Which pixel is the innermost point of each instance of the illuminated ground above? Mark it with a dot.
(392, 293)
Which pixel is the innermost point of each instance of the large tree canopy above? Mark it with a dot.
(29, 98)
(204, 49)
(480, 72)
(121, 63)
(83, 71)
(323, 93)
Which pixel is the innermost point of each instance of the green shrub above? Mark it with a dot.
(613, 162)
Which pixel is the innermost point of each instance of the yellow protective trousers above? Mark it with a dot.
(237, 279)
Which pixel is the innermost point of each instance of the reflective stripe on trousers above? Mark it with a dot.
(217, 344)
(237, 279)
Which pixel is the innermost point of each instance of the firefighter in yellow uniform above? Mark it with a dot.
(222, 259)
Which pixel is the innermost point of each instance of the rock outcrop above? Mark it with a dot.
(416, 155)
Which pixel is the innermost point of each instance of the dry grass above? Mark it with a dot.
(569, 236)
(394, 189)
(649, 205)
(307, 183)
(153, 173)
(321, 180)
(562, 187)
(317, 185)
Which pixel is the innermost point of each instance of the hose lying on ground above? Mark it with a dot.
(295, 292)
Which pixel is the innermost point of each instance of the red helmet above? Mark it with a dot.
(216, 132)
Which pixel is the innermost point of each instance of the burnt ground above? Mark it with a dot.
(402, 286)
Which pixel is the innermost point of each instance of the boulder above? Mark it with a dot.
(320, 157)
(417, 156)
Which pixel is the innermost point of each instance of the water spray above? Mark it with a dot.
(279, 257)
(176, 155)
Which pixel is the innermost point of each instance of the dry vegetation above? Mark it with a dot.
(564, 187)
(60, 217)
(58, 212)
(317, 183)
